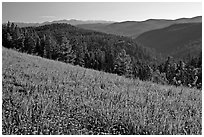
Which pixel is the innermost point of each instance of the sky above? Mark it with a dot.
(39, 12)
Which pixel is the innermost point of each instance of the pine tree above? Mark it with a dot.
(42, 46)
(37, 46)
(67, 53)
(167, 65)
(122, 64)
(81, 55)
(16, 37)
(101, 59)
(12, 28)
(47, 47)
(8, 27)
(29, 44)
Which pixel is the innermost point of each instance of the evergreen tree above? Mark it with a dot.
(8, 27)
(16, 38)
(12, 28)
(47, 47)
(109, 59)
(122, 64)
(67, 53)
(101, 59)
(42, 46)
(82, 55)
(29, 44)
(38, 46)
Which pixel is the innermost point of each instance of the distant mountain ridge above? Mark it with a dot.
(127, 28)
(78, 22)
(177, 37)
(71, 22)
(135, 28)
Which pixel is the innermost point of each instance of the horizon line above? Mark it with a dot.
(104, 20)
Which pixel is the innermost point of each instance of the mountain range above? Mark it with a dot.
(177, 37)
(135, 28)
(71, 22)
(178, 40)
(127, 28)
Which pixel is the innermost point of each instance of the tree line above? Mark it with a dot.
(99, 51)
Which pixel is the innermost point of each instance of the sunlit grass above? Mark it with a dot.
(42, 96)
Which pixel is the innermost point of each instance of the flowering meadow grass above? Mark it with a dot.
(44, 97)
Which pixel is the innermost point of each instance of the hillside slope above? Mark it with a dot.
(41, 96)
(177, 40)
(67, 43)
(135, 28)
(95, 40)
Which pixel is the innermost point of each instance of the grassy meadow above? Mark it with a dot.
(42, 96)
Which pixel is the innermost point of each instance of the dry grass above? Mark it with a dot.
(41, 96)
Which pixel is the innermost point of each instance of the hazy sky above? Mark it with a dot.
(137, 11)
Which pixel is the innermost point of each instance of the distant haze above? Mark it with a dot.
(39, 12)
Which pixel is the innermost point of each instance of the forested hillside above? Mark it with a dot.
(100, 51)
(69, 44)
(178, 40)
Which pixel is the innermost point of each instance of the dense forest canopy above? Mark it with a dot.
(177, 40)
(100, 51)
